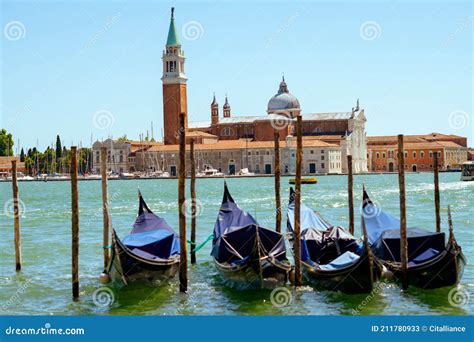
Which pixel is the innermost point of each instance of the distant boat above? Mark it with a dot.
(245, 172)
(312, 180)
(467, 171)
(431, 262)
(149, 254)
(210, 172)
(330, 256)
(247, 255)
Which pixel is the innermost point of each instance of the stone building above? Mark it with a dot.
(231, 156)
(121, 155)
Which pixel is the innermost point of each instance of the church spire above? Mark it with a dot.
(173, 39)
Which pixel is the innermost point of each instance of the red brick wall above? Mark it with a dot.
(174, 102)
(425, 163)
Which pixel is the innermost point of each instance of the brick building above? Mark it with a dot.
(419, 152)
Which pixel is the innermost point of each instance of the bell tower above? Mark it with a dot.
(174, 85)
(214, 111)
(226, 108)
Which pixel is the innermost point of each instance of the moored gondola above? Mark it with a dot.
(331, 257)
(432, 262)
(149, 254)
(247, 255)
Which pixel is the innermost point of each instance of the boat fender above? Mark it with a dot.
(386, 273)
(104, 278)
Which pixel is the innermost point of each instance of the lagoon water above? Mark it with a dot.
(43, 287)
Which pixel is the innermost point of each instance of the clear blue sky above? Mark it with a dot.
(76, 58)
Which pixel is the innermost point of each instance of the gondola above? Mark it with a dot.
(247, 255)
(149, 254)
(331, 257)
(432, 263)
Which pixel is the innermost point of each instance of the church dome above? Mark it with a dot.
(283, 100)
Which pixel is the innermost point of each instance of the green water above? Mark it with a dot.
(44, 284)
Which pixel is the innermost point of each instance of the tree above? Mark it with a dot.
(6, 143)
(123, 138)
(59, 151)
(22, 155)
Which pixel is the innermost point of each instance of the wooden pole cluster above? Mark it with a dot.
(403, 219)
(105, 205)
(350, 194)
(183, 263)
(193, 201)
(75, 223)
(297, 230)
(16, 217)
(276, 138)
(436, 192)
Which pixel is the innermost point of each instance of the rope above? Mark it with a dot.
(201, 245)
(106, 247)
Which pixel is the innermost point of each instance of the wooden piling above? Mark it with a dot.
(350, 194)
(75, 223)
(450, 224)
(16, 217)
(193, 202)
(436, 192)
(105, 205)
(183, 264)
(277, 173)
(403, 219)
(297, 230)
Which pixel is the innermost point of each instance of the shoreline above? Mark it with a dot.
(215, 177)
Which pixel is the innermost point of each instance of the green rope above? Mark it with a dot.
(201, 245)
(105, 247)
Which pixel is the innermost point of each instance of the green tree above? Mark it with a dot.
(123, 138)
(59, 151)
(22, 155)
(6, 143)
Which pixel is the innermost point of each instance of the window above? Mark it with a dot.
(311, 151)
(322, 151)
(268, 153)
(322, 157)
(249, 153)
(227, 131)
(439, 154)
(406, 154)
(256, 153)
(322, 166)
(431, 154)
(121, 157)
(383, 155)
(377, 155)
(414, 154)
(422, 154)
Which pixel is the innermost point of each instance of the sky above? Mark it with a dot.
(90, 70)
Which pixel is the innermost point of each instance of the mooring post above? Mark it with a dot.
(16, 217)
(350, 194)
(183, 263)
(75, 223)
(403, 218)
(436, 192)
(277, 173)
(105, 205)
(193, 201)
(450, 224)
(297, 230)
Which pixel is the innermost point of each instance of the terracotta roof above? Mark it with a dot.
(416, 145)
(380, 140)
(200, 134)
